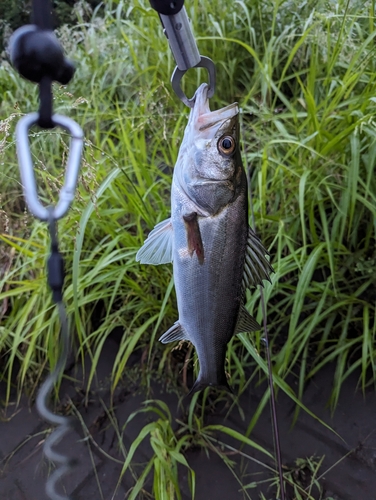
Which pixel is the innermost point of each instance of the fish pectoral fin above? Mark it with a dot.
(256, 265)
(194, 236)
(176, 332)
(246, 323)
(158, 246)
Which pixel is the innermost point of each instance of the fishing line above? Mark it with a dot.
(273, 408)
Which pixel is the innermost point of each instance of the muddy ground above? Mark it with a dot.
(348, 470)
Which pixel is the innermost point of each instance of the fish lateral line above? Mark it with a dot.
(194, 239)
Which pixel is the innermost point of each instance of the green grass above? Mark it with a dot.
(304, 75)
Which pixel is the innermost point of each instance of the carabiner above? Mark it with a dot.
(177, 75)
(26, 166)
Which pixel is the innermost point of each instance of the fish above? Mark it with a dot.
(215, 254)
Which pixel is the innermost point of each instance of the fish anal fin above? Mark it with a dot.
(194, 236)
(158, 246)
(246, 323)
(175, 333)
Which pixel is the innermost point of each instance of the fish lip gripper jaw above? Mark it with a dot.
(178, 31)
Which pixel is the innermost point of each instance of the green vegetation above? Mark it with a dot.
(15, 13)
(304, 74)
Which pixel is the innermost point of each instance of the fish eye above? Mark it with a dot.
(226, 145)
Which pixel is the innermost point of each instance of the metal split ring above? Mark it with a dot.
(178, 74)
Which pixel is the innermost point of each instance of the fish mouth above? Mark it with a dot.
(203, 119)
(208, 181)
(203, 181)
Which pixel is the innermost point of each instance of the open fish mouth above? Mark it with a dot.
(202, 119)
(205, 181)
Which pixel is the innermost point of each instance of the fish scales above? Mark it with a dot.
(207, 238)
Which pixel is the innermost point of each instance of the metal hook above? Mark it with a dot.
(25, 162)
(178, 74)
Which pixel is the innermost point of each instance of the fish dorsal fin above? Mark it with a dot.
(157, 248)
(246, 323)
(256, 265)
(176, 332)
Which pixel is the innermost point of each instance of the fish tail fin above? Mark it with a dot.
(202, 382)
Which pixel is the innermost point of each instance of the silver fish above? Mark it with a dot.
(215, 253)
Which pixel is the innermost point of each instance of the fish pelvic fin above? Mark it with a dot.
(158, 246)
(203, 381)
(175, 333)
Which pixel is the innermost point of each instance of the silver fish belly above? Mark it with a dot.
(215, 254)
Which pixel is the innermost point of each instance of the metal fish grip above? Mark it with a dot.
(177, 75)
(178, 31)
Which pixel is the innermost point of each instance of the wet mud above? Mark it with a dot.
(348, 449)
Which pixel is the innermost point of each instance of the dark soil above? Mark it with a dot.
(348, 469)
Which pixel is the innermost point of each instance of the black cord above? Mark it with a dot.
(45, 103)
(42, 14)
(42, 17)
(55, 265)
